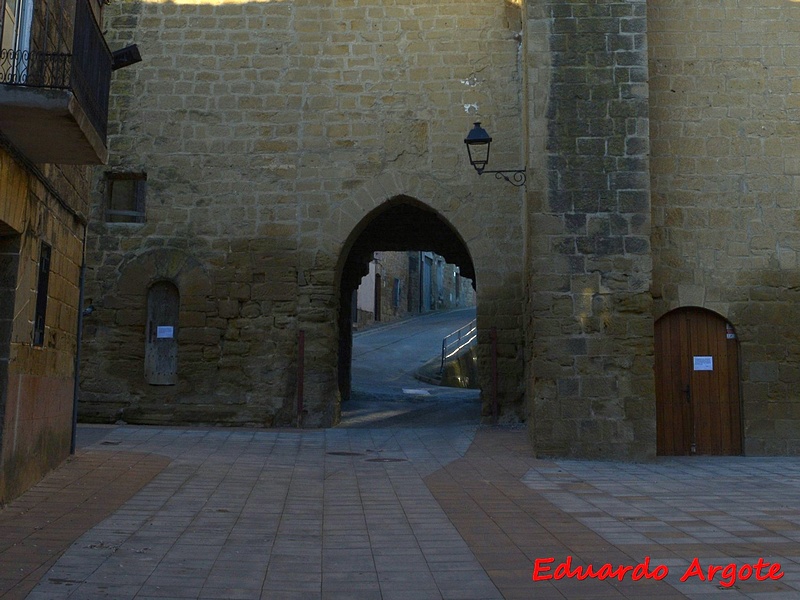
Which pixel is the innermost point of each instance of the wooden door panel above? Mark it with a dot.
(161, 346)
(702, 383)
(673, 412)
(708, 419)
(735, 407)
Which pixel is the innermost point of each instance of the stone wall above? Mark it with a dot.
(394, 267)
(271, 134)
(36, 381)
(725, 171)
(590, 327)
(390, 266)
(456, 290)
(282, 139)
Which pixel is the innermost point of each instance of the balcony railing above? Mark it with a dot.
(85, 70)
(35, 69)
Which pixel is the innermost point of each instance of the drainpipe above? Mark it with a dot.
(495, 405)
(421, 285)
(301, 375)
(78, 341)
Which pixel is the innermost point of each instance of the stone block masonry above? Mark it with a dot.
(36, 376)
(658, 139)
(271, 134)
(589, 334)
(724, 130)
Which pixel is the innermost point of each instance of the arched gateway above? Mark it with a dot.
(401, 223)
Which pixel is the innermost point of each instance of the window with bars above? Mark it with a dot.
(41, 295)
(125, 197)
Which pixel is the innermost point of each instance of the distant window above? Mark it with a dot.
(41, 295)
(126, 197)
(396, 293)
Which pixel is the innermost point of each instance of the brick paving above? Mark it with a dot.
(455, 513)
(39, 526)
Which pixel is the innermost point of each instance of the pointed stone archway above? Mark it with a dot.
(399, 224)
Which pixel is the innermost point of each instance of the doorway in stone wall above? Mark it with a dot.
(378, 300)
(405, 226)
(697, 384)
(9, 266)
(161, 349)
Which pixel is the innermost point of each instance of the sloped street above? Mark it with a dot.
(385, 391)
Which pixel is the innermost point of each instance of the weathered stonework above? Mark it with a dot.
(589, 332)
(725, 173)
(272, 134)
(36, 382)
(285, 142)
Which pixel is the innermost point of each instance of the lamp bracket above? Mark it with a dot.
(517, 177)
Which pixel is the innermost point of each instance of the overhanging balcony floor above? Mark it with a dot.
(49, 126)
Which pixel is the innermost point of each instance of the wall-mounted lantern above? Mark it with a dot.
(124, 57)
(478, 144)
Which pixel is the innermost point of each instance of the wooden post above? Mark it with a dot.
(495, 406)
(301, 353)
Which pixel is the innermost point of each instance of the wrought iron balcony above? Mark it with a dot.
(42, 85)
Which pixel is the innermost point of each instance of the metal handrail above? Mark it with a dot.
(459, 339)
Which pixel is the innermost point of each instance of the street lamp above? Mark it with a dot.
(478, 143)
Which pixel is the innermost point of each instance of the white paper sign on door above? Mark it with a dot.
(703, 363)
(165, 331)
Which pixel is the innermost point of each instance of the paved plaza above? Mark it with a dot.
(394, 513)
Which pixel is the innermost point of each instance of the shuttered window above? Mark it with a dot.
(126, 197)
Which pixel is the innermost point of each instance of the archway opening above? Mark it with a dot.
(698, 405)
(402, 224)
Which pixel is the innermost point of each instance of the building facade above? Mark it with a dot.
(403, 284)
(55, 70)
(724, 172)
(640, 284)
(276, 147)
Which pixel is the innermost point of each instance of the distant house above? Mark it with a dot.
(401, 284)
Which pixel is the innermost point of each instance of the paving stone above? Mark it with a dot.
(469, 529)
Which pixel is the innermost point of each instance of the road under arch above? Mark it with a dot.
(401, 223)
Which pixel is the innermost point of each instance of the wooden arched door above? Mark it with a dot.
(161, 347)
(697, 384)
